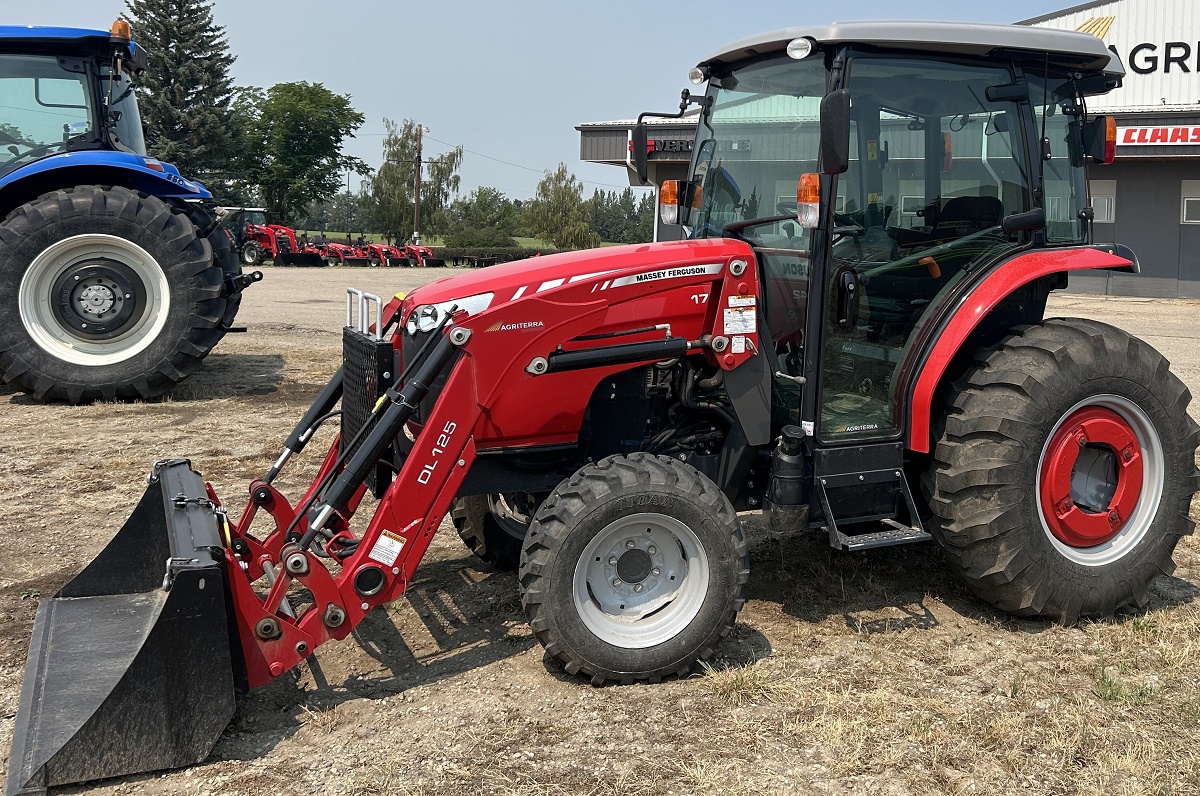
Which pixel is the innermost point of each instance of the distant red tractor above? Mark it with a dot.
(344, 254)
(256, 240)
(382, 254)
(422, 256)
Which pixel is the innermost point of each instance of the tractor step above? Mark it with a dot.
(897, 533)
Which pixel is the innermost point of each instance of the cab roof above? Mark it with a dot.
(60, 41)
(1064, 48)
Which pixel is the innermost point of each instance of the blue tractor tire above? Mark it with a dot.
(105, 293)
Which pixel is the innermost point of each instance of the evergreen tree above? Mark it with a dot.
(185, 93)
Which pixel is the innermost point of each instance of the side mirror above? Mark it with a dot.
(640, 159)
(835, 132)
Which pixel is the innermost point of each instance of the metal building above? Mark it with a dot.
(1149, 199)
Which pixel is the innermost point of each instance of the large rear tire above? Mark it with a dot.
(494, 526)
(1065, 471)
(633, 569)
(105, 294)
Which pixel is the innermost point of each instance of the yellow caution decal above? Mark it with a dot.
(401, 296)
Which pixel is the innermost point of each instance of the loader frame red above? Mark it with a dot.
(413, 506)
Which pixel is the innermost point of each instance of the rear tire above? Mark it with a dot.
(1065, 470)
(494, 526)
(633, 569)
(141, 304)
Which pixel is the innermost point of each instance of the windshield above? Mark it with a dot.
(760, 134)
(42, 107)
(126, 128)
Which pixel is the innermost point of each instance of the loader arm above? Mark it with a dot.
(377, 567)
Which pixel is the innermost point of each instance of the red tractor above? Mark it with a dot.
(344, 254)
(422, 256)
(382, 254)
(257, 240)
(598, 419)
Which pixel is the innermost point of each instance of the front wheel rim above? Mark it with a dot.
(1100, 480)
(94, 299)
(640, 581)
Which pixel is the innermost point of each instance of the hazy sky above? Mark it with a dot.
(507, 79)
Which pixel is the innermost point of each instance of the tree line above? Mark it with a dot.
(283, 148)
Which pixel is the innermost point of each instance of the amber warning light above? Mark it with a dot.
(121, 30)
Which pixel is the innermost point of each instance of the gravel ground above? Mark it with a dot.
(871, 673)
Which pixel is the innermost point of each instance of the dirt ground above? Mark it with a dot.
(870, 673)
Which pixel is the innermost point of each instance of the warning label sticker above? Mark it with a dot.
(740, 320)
(737, 344)
(387, 548)
(742, 301)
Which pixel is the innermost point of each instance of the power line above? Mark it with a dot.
(510, 163)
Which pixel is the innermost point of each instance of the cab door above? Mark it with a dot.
(938, 166)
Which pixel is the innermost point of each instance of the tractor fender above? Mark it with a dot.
(96, 167)
(1004, 280)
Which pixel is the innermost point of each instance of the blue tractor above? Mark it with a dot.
(115, 280)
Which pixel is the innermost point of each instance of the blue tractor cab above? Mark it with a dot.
(115, 280)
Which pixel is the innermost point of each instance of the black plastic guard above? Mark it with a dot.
(130, 665)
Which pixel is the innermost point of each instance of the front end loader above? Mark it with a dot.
(864, 357)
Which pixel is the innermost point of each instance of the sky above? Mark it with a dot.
(507, 79)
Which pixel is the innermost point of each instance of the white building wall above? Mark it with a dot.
(1140, 31)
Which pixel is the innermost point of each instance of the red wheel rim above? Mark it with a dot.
(1091, 426)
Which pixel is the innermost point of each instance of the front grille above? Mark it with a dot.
(368, 368)
(410, 345)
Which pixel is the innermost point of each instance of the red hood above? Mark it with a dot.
(506, 279)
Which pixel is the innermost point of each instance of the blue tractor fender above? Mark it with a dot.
(92, 167)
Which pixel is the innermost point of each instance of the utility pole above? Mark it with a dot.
(417, 193)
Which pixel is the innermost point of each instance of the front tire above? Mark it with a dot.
(1065, 471)
(252, 253)
(633, 569)
(104, 293)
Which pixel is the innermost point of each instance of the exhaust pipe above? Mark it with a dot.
(130, 666)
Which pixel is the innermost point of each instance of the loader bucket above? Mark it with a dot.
(435, 262)
(361, 262)
(130, 666)
(304, 259)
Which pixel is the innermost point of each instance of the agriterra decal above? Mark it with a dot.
(501, 326)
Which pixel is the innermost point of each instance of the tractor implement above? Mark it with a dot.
(597, 420)
(130, 666)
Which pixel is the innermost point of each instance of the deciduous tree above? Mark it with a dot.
(392, 187)
(294, 153)
(559, 214)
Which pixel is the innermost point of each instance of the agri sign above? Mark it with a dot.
(1158, 136)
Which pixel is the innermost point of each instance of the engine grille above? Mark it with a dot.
(410, 345)
(368, 368)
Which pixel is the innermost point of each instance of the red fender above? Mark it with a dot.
(1011, 275)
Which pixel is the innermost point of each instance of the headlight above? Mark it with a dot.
(423, 319)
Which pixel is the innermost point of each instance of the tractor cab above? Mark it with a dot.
(67, 90)
(877, 169)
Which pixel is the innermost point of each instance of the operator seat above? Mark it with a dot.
(963, 215)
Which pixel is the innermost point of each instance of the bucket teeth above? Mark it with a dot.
(130, 665)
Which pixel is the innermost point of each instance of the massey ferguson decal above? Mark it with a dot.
(710, 269)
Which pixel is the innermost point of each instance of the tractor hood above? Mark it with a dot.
(499, 284)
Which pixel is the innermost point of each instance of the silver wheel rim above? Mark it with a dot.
(1153, 480)
(509, 516)
(640, 581)
(52, 336)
